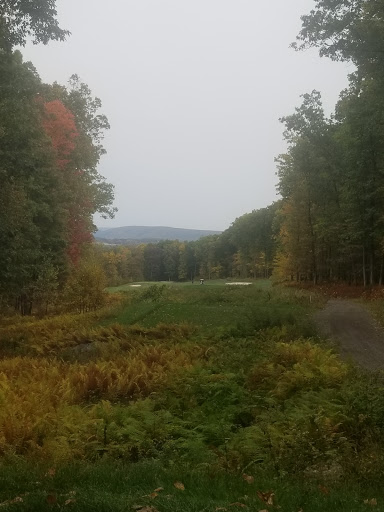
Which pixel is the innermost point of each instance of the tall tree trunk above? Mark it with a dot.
(371, 266)
(313, 245)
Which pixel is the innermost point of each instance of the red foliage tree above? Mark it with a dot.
(60, 125)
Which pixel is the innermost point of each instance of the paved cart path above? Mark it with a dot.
(358, 334)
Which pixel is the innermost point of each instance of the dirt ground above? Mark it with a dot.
(357, 334)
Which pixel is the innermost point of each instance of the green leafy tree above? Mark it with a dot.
(253, 237)
(347, 30)
(153, 262)
(20, 19)
(85, 288)
(49, 185)
(31, 214)
(311, 175)
(360, 112)
(170, 250)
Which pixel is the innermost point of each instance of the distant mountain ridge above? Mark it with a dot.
(147, 234)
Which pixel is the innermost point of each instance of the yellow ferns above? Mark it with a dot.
(39, 397)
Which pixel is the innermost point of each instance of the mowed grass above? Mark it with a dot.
(263, 284)
(150, 487)
(213, 307)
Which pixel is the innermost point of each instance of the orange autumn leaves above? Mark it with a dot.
(59, 124)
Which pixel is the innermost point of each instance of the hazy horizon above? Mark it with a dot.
(193, 92)
(152, 226)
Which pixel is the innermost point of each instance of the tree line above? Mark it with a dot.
(331, 178)
(246, 249)
(50, 146)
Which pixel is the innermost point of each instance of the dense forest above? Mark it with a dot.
(50, 145)
(327, 226)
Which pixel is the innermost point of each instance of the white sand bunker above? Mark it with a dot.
(238, 284)
(135, 285)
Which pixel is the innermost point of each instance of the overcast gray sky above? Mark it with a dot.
(193, 90)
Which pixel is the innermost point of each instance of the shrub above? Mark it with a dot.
(153, 293)
(85, 288)
(297, 366)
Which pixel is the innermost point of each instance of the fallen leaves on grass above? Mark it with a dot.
(155, 493)
(248, 478)
(179, 486)
(238, 504)
(18, 499)
(267, 497)
(51, 472)
(323, 489)
(372, 502)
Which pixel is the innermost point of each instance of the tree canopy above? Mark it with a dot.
(50, 140)
(23, 19)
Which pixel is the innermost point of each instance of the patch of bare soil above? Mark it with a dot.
(357, 333)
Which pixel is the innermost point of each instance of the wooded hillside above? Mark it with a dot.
(50, 140)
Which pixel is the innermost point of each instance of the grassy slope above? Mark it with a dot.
(232, 390)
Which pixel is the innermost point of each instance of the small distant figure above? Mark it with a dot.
(201, 281)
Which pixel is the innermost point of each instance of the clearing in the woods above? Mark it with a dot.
(189, 397)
